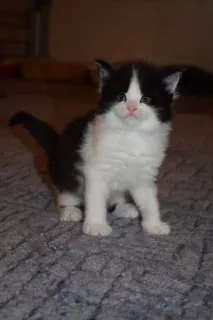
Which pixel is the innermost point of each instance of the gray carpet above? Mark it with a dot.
(50, 270)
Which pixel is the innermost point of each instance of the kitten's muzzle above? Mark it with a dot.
(132, 107)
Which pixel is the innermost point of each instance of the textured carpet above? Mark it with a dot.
(50, 270)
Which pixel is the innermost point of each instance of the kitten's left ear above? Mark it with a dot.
(104, 71)
(171, 82)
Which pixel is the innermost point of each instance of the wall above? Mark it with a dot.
(14, 19)
(163, 31)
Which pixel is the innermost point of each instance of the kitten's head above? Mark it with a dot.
(137, 93)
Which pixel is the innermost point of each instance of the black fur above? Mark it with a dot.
(45, 135)
(65, 166)
(194, 81)
(63, 150)
(151, 84)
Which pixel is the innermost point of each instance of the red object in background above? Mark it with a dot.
(9, 71)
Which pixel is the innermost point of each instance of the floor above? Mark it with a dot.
(50, 270)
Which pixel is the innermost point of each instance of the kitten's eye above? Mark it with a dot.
(145, 100)
(121, 97)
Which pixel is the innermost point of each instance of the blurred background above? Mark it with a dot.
(47, 47)
(58, 39)
(163, 31)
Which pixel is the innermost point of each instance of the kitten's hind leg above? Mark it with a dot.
(68, 205)
(120, 207)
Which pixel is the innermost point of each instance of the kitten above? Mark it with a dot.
(116, 148)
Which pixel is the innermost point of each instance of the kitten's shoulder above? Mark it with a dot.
(79, 123)
(74, 130)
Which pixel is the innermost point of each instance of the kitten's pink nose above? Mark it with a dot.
(132, 106)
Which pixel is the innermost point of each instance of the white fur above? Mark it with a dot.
(116, 198)
(123, 209)
(65, 199)
(70, 214)
(127, 157)
(145, 118)
(126, 210)
(67, 207)
(172, 81)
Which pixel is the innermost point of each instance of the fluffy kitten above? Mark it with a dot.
(118, 147)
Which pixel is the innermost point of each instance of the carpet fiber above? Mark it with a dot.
(50, 270)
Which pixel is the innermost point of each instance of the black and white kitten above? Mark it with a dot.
(116, 148)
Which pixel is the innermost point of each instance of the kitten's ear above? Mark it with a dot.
(171, 82)
(104, 71)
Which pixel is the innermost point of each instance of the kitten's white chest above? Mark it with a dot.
(124, 158)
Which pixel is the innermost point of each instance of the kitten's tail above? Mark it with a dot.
(39, 130)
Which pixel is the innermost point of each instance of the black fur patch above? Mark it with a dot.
(64, 166)
(151, 84)
(63, 150)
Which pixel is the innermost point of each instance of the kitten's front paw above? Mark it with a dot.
(126, 210)
(70, 214)
(96, 229)
(159, 228)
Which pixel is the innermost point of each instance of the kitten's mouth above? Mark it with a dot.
(131, 116)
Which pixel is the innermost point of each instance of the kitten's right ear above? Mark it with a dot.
(104, 71)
